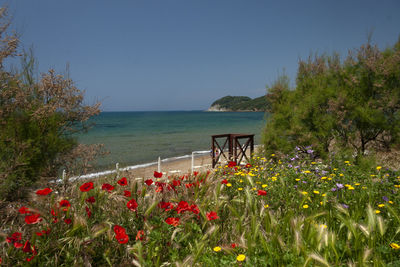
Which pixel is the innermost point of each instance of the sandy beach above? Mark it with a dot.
(173, 167)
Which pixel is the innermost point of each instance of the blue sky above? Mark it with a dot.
(184, 54)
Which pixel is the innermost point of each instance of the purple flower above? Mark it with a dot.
(324, 172)
(385, 198)
(340, 186)
(333, 189)
(297, 148)
(295, 186)
(310, 151)
(290, 165)
(345, 206)
(304, 182)
(296, 167)
(292, 159)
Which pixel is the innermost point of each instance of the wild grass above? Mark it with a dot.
(273, 212)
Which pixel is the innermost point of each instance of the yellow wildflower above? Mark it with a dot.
(266, 206)
(377, 211)
(241, 257)
(264, 186)
(316, 192)
(391, 202)
(228, 184)
(306, 171)
(240, 189)
(381, 205)
(305, 206)
(395, 246)
(323, 194)
(313, 162)
(379, 167)
(272, 155)
(217, 249)
(304, 193)
(297, 179)
(323, 177)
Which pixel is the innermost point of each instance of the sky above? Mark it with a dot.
(141, 55)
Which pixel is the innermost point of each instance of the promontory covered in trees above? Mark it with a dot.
(239, 103)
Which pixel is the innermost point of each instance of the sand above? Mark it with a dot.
(173, 167)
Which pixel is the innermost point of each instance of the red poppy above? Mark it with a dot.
(189, 185)
(176, 183)
(224, 181)
(33, 219)
(34, 253)
(86, 187)
(149, 182)
(132, 204)
(261, 193)
(127, 193)
(158, 174)
(27, 247)
(24, 210)
(18, 245)
(195, 173)
(107, 187)
(44, 192)
(123, 181)
(194, 209)
(248, 165)
(166, 206)
(231, 164)
(53, 212)
(88, 212)
(234, 245)
(120, 234)
(172, 221)
(43, 232)
(119, 230)
(91, 200)
(16, 236)
(182, 207)
(140, 235)
(212, 215)
(65, 204)
(68, 221)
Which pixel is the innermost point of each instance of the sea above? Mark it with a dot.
(137, 138)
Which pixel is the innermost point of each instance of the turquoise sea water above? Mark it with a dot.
(141, 137)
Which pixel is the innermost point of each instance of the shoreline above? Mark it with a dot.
(179, 165)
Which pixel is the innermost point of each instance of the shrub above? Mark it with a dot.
(37, 118)
(353, 104)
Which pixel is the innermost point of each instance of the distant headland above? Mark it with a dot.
(239, 103)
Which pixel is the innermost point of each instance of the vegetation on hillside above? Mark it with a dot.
(351, 106)
(37, 119)
(240, 103)
(273, 212)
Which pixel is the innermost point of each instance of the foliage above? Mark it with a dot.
(240, 103)
(272, 212)
(37, 120)
(337, 105)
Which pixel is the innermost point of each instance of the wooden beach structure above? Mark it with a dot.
(232, 147)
